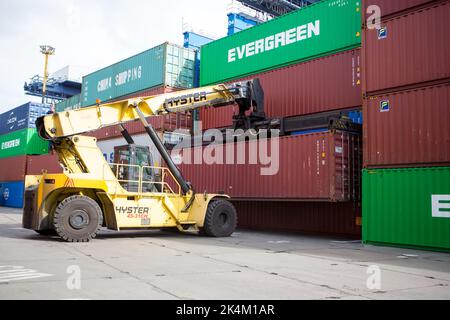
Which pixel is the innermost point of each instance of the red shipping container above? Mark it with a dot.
(324, 84)
(48, 163)
(342, 219)
(13, 169)
(166, 122)
(391, 7)
(313, 167)
(408, 128)
(414, 50)
(16, 168)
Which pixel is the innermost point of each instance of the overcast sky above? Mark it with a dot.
(91, 34)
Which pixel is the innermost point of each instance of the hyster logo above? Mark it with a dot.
(440, 206)
(275, 41)
(183, 100)
(130, 210)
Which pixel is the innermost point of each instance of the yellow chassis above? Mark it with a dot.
(121, 209)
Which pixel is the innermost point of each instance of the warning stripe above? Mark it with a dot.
(69, 183)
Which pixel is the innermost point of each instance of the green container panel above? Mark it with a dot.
(22, 142)
(317, 30)
(166, 64)
(69, 104)
(407, 207)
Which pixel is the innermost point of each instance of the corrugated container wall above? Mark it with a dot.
(407, 207)
(391, 7)
(13, 168)
(343, 219)
(16, 168)
(412, 49)
(408, 128)
(69, 104)
(22, 142)
(316, 30)
(164, 65)
(22, 117)
(320, 166)
(37, 164)
(324, 84)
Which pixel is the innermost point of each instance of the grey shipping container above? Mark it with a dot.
(165, 65)
(22, 117)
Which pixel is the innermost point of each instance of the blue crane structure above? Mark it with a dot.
(57, 89)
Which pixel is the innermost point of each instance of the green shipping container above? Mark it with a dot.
(314, 31)
(22, 142)
(407, 207)
(165, 65)
(69, 104)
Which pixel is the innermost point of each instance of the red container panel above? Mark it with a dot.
(415, 50)
(306, 217)
(414, 131)
(37, 164)
(324, 84)
(13, 169)
(320, 166)
(390, 7)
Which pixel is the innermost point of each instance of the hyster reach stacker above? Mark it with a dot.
(130, 194)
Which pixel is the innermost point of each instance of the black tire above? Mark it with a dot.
(78, 219)
(49, 232)
(220, 219)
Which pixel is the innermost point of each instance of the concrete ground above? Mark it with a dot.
(249, 265)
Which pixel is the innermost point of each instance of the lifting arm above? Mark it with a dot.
(248, 95)
(69, 123)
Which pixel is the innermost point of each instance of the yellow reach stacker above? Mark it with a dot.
(129, 194)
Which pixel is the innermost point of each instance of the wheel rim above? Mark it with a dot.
(79, 219)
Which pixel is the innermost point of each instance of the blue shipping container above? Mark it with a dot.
(22, 117)
(239, 21)
(195, 41)
(356, 117)
(298, 133)
(11, 194)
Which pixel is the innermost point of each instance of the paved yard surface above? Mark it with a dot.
(249, 265)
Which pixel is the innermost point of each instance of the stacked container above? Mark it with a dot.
(18, 141)
(406, 68)
(308, 63)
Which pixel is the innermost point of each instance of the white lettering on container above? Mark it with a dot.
(272, 42)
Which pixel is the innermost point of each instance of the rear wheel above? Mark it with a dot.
(220, 219)
(78, 219)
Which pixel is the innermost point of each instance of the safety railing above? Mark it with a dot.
(134, 175)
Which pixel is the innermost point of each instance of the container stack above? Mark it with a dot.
(406, 181)
(309, 64)
(20, 144)
(162, 69)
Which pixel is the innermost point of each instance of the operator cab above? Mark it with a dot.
(129, 160)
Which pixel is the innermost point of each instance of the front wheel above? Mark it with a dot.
(78, 219)
(220, 219)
